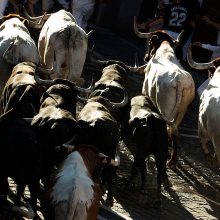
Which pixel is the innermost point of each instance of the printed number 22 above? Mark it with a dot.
(177, 19)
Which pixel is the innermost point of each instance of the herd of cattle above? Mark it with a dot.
(75, 155)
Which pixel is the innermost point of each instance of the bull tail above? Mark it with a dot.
(179, 92)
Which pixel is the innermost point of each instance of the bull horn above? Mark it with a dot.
(108, 62)
(37, 19)
(86, 90)
(36, 24)
(81, 99)
(198, 66)
(121, 104)
(178, 40)
(137, 32)
(89, 34)
(44, 82)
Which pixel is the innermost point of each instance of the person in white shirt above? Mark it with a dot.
(214, 48)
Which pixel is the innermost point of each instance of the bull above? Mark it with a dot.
(16, 46)
(101, 129)
(208, 119)
(55, 122)
(62, 46)
(19, 158)
(145, 133)
(73, 194)
(170, 88)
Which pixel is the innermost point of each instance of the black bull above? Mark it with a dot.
(99, 117)
(55, 123)
(144, 132)
(19, 145)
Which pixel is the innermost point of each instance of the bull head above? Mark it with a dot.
(155, 39)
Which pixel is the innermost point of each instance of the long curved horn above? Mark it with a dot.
(36, 24)
(198, 66)
(35, 19)
(121, 104)
(109, 62)
(137, 32)
(89, 34)
(86, 90)
(44, 82)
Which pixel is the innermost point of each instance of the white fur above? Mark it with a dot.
(164, 76)
(73, 193)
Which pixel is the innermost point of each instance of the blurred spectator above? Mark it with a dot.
(51, 5)
(214, 48)
(175, 16)
(3, 5)
(82, 10)
(14, 6)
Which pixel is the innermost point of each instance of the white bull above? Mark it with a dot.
(62, 46)
(209, 114)
(166, 83)
(16, 45)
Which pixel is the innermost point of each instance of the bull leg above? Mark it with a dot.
(204, 143)
(20, 191)
(162, 177)
(174, 152)
(109, 173)
(143, 176)
(34, 188)
(4, 187)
